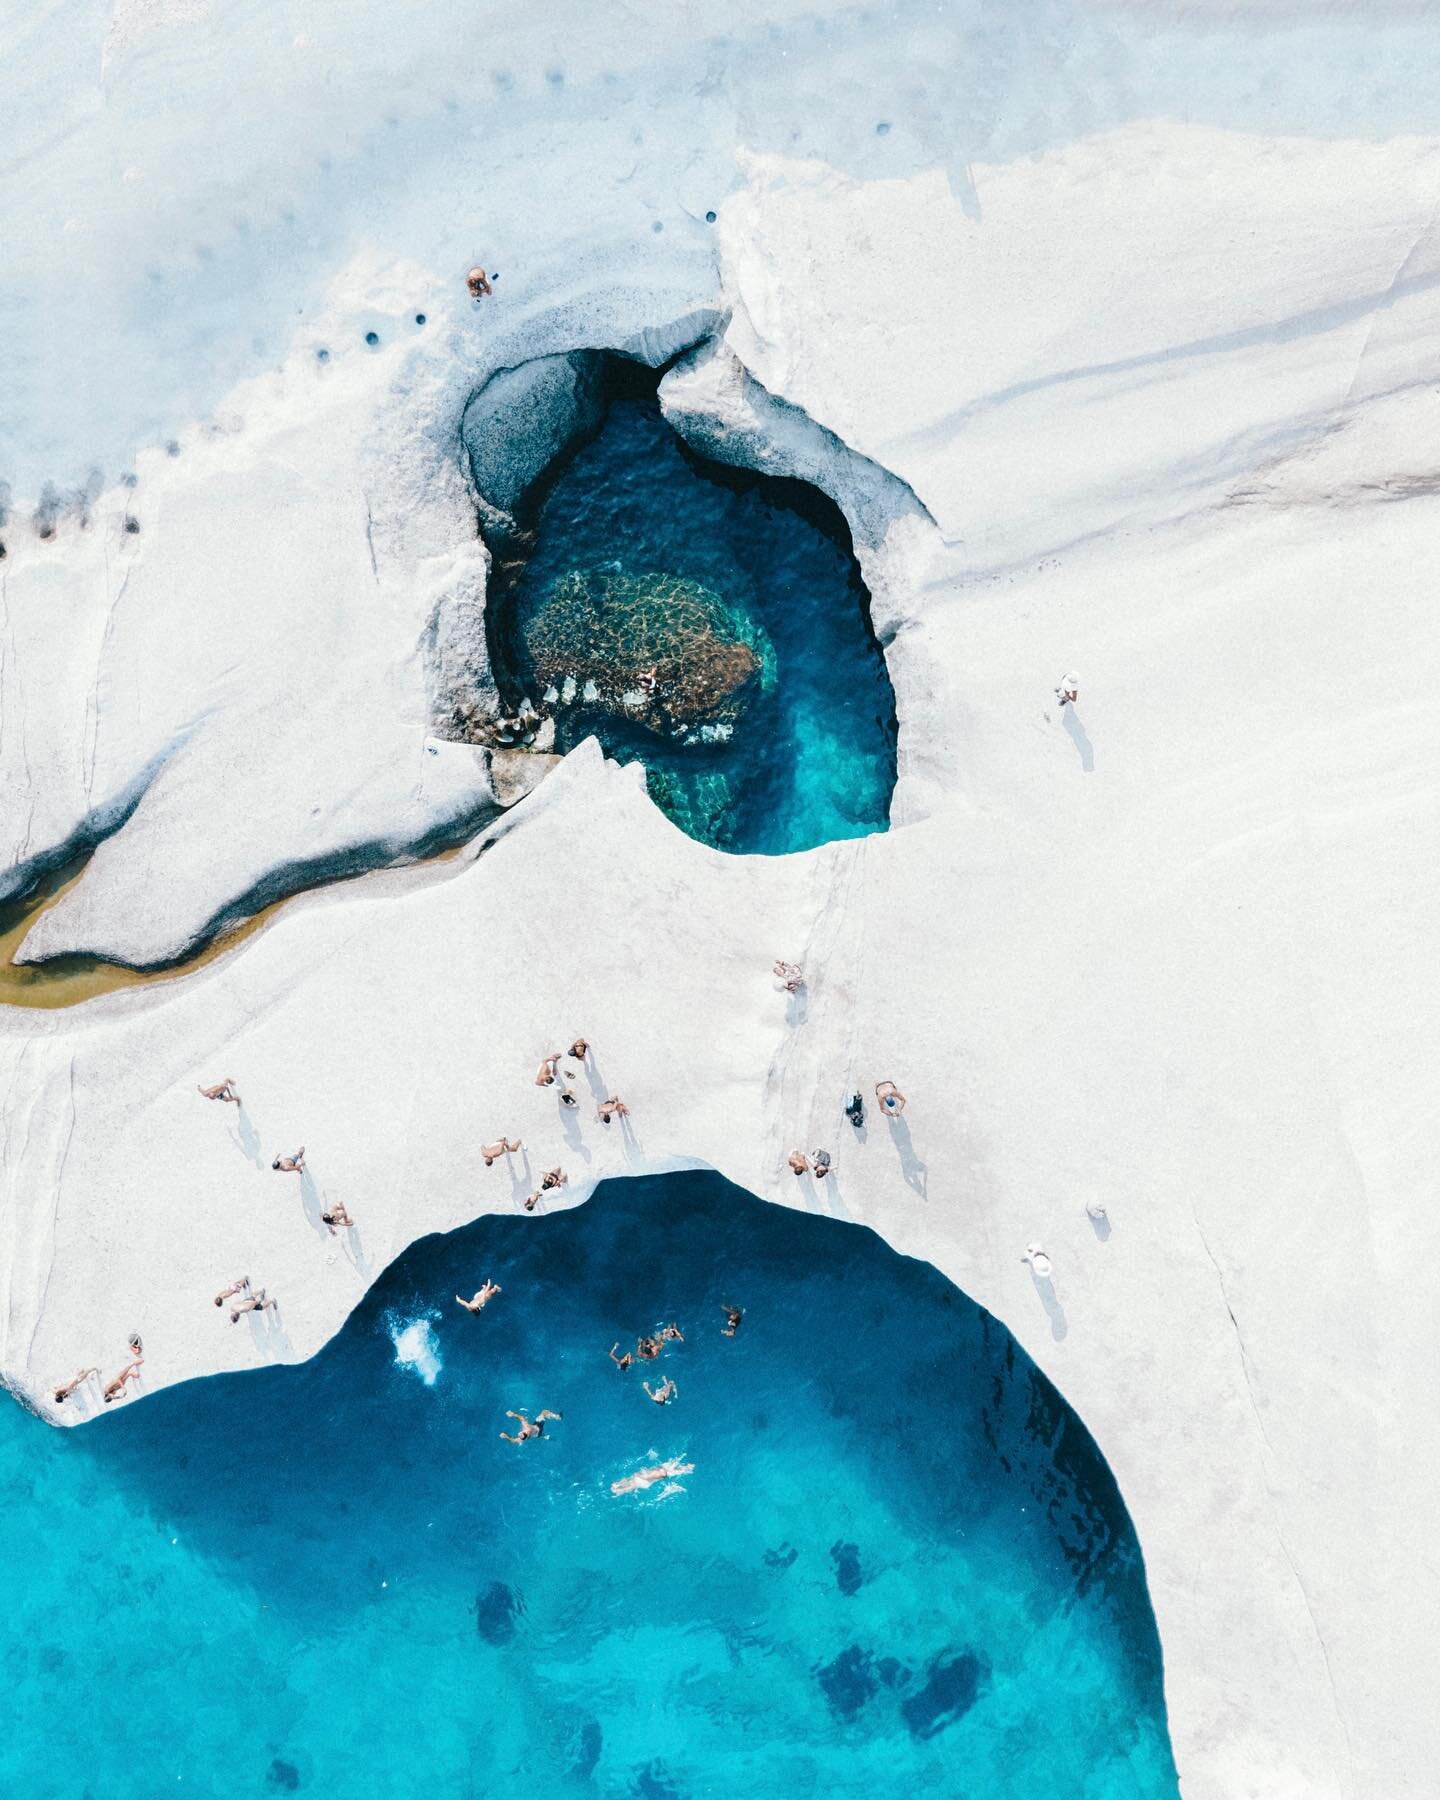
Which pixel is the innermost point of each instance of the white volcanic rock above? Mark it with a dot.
(1164, 391)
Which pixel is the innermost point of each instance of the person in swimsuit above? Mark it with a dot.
(662, 1395)
(613, 1108)
(62, 1394)
(553, 1178)
(530, 1200)
(529, 1428)
(222, 1090)
(733, 1316)
(131, 1372)
(821, 1161)
(671, 1334)
(892, 1101)
(260, 1302)
(791, 975)
(1038, 1261)
(242, 1286)
(644, 1478)
(622, 1363)
(337, 1217)
(580, 1050)
(799, 1162)
(291, 1165)
(546, 1075)
(648, 1348)
(478, 282)
(501, 1147)
(481, 1299)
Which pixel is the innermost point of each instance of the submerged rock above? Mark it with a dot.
(659, 649)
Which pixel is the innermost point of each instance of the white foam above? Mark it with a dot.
(418, 1348)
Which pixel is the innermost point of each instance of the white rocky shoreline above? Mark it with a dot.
(1157, 401)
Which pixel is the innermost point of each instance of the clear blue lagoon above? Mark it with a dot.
(772, 725)
(900, 1565)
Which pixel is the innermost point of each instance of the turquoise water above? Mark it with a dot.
(811, 755)
(900, 1565)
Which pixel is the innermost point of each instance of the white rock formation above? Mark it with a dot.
(1102, 368)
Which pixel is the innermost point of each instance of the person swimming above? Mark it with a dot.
(648, 1348)
(733, 1316)
(481, 1299)
(529, 1428)
(622, 1363)
(664, 1394)
(644, 1478)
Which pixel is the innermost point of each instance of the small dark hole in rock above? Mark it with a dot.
(882, 128)
(172, 448)
(658, 225)
(132, 525)
(709, 218)
(419, 318)
(372, 338)
(322, 355)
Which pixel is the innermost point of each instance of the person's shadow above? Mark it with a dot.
(570, 1125)
(1099, 1224)
(797, 1005)
(247, 1137)
(310, 1200)
(1071, 721)
(915, 1170)
(267, 1331)
(1050, 1300)
(523, 1183)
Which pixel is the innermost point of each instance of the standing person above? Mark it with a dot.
(799, 1162)
(1038, 1261)
(291, 1165)
(1069, 690)
(892, 1101)
(613, 1108)
(501, 1147)
(546, 1074)
(481, 1298)
(529, 1428)
(242, 1286)
(664, 1394)
(62, 1394)
(790, 975)
(580, 1049)
(222, 1090)
(478, 283)
(821, 1162)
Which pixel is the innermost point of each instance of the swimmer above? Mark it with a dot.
(222, 1090)
(260, 1302)
(501, 1147)
(648, 1348)
(622, 1363)
(337, 1218)
(671, 1334)
(733, 1316)
(529, 1428)
(791, 975)
(580, 1049)
(892, 1101)
(664, 1394)
(131, 1372)
(799, 1162)
(242, 1286)
(1039, 1262)
(481, 1298)
(644, 1478)
(553, 1178)
(62, 1394)
(821, 1160)
(546, 1076)
(478, 282)
(613, 1108)
(291, 1165)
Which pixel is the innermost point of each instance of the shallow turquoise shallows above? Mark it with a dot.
(900, 1566)
(633, 528)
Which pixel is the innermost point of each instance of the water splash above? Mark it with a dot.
(416, 1346)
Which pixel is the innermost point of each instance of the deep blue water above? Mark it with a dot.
(900, 1565)
(813, 756)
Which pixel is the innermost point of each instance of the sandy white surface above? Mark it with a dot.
(1124, 363)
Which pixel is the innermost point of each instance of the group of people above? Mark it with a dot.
(113, 1388)
(818, 1163)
